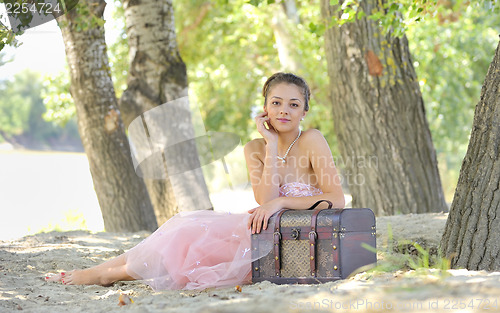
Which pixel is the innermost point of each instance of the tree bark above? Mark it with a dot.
(473, 227)
(379, 118)
(158, 75)
(122, 195)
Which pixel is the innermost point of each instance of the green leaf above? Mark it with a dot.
(334, 2)
(255, 3)
(394, 7)
(313, 27)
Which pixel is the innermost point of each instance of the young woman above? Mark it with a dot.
(289, 168)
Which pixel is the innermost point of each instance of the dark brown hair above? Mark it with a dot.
(287, 78)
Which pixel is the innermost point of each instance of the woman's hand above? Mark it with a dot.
(269, 133)
(260, 215)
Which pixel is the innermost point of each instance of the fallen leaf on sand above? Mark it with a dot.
(124, 299)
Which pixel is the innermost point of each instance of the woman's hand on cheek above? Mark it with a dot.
(260, 215)
(265, 128)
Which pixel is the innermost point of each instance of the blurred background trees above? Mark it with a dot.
(22, 112)
(230, 47)
(452, 53)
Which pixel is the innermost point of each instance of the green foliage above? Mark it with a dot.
(84, 18)
(3, 61)
(56, 94)
(15, 106)
(223, 54)
(73, 220)
(396, 17)
(408, 255)
(118, 51)
(451, 54)
(57, 99)
(234, 45)
(18, 99)
(23, 15)
(7, 37)
(22, 108)
(230, 51)
(231, 47)
(452, 43)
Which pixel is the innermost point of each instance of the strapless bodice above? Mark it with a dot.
(297, 189)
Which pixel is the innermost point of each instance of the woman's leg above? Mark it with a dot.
(103, 274)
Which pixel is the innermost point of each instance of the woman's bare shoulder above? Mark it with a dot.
(312, 137)
(257, 145)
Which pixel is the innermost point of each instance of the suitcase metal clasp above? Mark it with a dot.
(277, 234)
(295, 233)
(313, 234)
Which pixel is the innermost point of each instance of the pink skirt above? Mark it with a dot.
(196, 250)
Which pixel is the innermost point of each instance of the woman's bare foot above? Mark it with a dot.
(91, 276)
(104, 276)
(55, 277)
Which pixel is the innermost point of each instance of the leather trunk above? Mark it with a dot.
(314, 246)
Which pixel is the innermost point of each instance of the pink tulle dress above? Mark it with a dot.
(201, 249)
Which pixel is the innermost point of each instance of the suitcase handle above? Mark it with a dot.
(330, 204)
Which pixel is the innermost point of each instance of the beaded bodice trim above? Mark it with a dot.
(296, 189)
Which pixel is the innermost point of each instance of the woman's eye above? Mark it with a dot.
(275, 102)
(295, 104)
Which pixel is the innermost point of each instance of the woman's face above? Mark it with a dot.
(285, 106)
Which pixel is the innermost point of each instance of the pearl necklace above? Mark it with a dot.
(286, 153)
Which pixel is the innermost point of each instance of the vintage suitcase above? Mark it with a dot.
(314, 246)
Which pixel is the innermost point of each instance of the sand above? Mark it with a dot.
(25, 261)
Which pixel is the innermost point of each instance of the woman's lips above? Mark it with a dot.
(283, 120)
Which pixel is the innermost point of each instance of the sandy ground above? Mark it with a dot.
(25, 261)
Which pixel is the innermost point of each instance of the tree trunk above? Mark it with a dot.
(122, 195)
(284, 41)
(379, 118)
(158, 75)
(472, 229)
(290, 8)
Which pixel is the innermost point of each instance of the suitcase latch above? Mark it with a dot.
(295, 233)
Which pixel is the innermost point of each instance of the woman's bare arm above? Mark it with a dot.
(263, 173)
